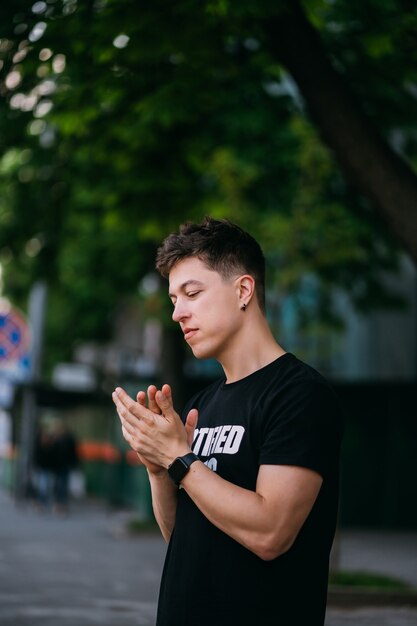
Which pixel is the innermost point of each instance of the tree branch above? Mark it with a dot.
(368, 162)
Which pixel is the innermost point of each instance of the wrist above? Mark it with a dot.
(180, 467)
(180, 452)
(160, 473)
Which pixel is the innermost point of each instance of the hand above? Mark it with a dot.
(165, 406)
(156, 433)
(141, 399)
(130, 414)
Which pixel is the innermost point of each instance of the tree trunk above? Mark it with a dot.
(368, 162)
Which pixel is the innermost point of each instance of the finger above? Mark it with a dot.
(122, 411)
(152, 405)
(129, 409)
(190, 425)
(128, 437)
(133, 435)
(141, 398)
(164, 401)
(123, 400)
(126, 427)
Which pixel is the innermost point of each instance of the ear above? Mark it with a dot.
(245, 289)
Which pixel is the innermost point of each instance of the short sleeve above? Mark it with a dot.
(303, 427)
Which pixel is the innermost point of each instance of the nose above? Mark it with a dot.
(180, 312)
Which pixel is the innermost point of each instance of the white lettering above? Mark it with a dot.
(215, 436)
(211, 464)
(207, 444)
(198, 438)
(221, 438)
(234, 439)
(224, 439)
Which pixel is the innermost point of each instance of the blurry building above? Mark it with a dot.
(380, 345)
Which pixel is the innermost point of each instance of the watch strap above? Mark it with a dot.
(180, 466)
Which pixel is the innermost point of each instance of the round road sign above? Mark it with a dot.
(14, 334)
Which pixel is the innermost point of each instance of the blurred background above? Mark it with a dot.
(121, 119)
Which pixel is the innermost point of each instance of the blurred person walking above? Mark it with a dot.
(44, 466)
(65, 460)
(245, 486)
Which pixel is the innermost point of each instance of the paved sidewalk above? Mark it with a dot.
(76, 570)
(84, 569)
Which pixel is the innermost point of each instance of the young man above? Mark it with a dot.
(245, 489)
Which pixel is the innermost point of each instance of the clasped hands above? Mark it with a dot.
(153, 428)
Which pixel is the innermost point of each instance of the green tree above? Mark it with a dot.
(119, 119)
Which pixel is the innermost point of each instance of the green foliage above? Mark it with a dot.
(367, 579)
(138, 526)
(120, 119)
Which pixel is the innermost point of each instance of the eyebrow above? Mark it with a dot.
(187, 284)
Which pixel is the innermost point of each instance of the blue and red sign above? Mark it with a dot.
(14, 343)
(15, 340)
(14, 335)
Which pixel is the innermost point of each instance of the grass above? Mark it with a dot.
(367, 579)
(139, 526)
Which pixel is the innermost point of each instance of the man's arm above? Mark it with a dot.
(265, 521)
(164, 492)
(164, 501)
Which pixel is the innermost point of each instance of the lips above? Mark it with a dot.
(189, 332)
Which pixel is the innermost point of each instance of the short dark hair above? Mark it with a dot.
(223, 247)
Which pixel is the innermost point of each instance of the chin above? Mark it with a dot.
(202, 353)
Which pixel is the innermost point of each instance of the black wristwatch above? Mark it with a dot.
(178, 468)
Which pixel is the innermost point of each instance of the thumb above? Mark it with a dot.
(190, 425)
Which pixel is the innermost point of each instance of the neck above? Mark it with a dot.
(252, 348)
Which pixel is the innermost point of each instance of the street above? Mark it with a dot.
(85, 569)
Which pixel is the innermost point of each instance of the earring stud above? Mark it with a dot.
(243, 307)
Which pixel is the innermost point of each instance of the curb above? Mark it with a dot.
(352, 597)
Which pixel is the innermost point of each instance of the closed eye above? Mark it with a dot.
(192, 294)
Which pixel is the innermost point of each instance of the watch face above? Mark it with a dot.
(178, 470)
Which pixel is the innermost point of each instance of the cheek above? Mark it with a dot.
(220, 316)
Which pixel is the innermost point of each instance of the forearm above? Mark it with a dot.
(164, 502)
(267, 520)
(240, 513)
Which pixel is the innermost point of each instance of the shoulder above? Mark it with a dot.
(300, 392)
(302, 421)
(289, 376)
(295, 370)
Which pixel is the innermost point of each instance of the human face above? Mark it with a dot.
(206, 306)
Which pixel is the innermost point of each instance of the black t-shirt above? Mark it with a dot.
(282, 414)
